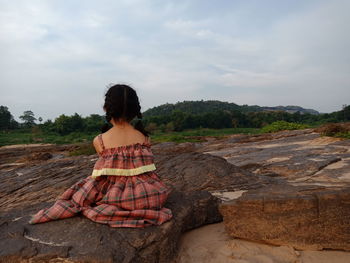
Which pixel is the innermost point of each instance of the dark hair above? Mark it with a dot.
(121, 102)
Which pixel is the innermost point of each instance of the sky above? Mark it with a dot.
(58, 57)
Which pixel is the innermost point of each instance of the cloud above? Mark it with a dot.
(58, 57)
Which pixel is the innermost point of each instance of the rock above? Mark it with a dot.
(172, 147)
(287, 188)
(211, 244)
(194, 171)
(40, 156)
(26, 189)
(305, 217)
(18, 153)
(80, 239)
(297, 156)
(310, 209)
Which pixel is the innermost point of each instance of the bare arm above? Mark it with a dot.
(97, 145)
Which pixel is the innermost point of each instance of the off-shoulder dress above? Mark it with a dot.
(123, 190)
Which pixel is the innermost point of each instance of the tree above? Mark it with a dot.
(28, 118)
(48, 126)
(6, 119)
(67, 124)
(151, 127)
(345, 112)
(178, 117)
(169, 127)
(94, 122)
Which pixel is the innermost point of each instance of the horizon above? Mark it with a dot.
(58, 57)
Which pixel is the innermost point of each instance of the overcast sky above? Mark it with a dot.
(58, 56)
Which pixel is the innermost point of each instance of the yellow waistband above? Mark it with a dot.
(123, 172)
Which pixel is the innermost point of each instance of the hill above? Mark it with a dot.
(291, 109)
(200, 107)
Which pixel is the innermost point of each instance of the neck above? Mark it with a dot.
(120, 123)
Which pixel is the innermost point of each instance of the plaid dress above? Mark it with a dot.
(123, 191)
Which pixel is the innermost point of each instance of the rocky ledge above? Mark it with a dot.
(32, 185)
(310, 210)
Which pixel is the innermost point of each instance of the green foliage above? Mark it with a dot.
(169, 127)
(198, 116)
(26, 136)
(22, 136)
(201, 107)
(151, 127)
(345, 135)
(196, 134)
(191, 107)
(283, 125)
(68, 124)
(344, 114)
(215, 114)
(341, 130)
(93, 122)
(28, 118)
(6, 119)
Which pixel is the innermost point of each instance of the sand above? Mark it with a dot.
(211, 244)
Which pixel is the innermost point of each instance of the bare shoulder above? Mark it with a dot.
(96, 144)
(141, 137)
(95, 141)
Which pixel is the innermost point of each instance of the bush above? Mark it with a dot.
(341, 130)
(283, 125)
(330, 129)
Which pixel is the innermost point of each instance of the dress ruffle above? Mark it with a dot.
(128, 160)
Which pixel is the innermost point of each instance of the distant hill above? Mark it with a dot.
(290, 109)
(200, 107)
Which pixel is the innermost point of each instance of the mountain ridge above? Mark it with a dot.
(204, 106)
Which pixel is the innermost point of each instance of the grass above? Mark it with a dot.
(190, 135)
(84, 140)
(345, 135)
(339, 130)
(36, 136)
(28, 137)
(282, 126)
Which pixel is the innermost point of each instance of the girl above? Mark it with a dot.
(124, 190)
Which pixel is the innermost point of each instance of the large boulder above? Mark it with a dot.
(309, 209)
(305, 217)
(80, 239)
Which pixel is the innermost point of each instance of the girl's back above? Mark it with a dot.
(120, 135)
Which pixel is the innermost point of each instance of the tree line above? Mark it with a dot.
(173, 120)
(62, 125)
(178, 120)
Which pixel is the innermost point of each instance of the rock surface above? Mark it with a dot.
(304, 217)
(296, 180)
(310, 210)
(296, 155)
(33, 185)
(211, 244)
(80, 239)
